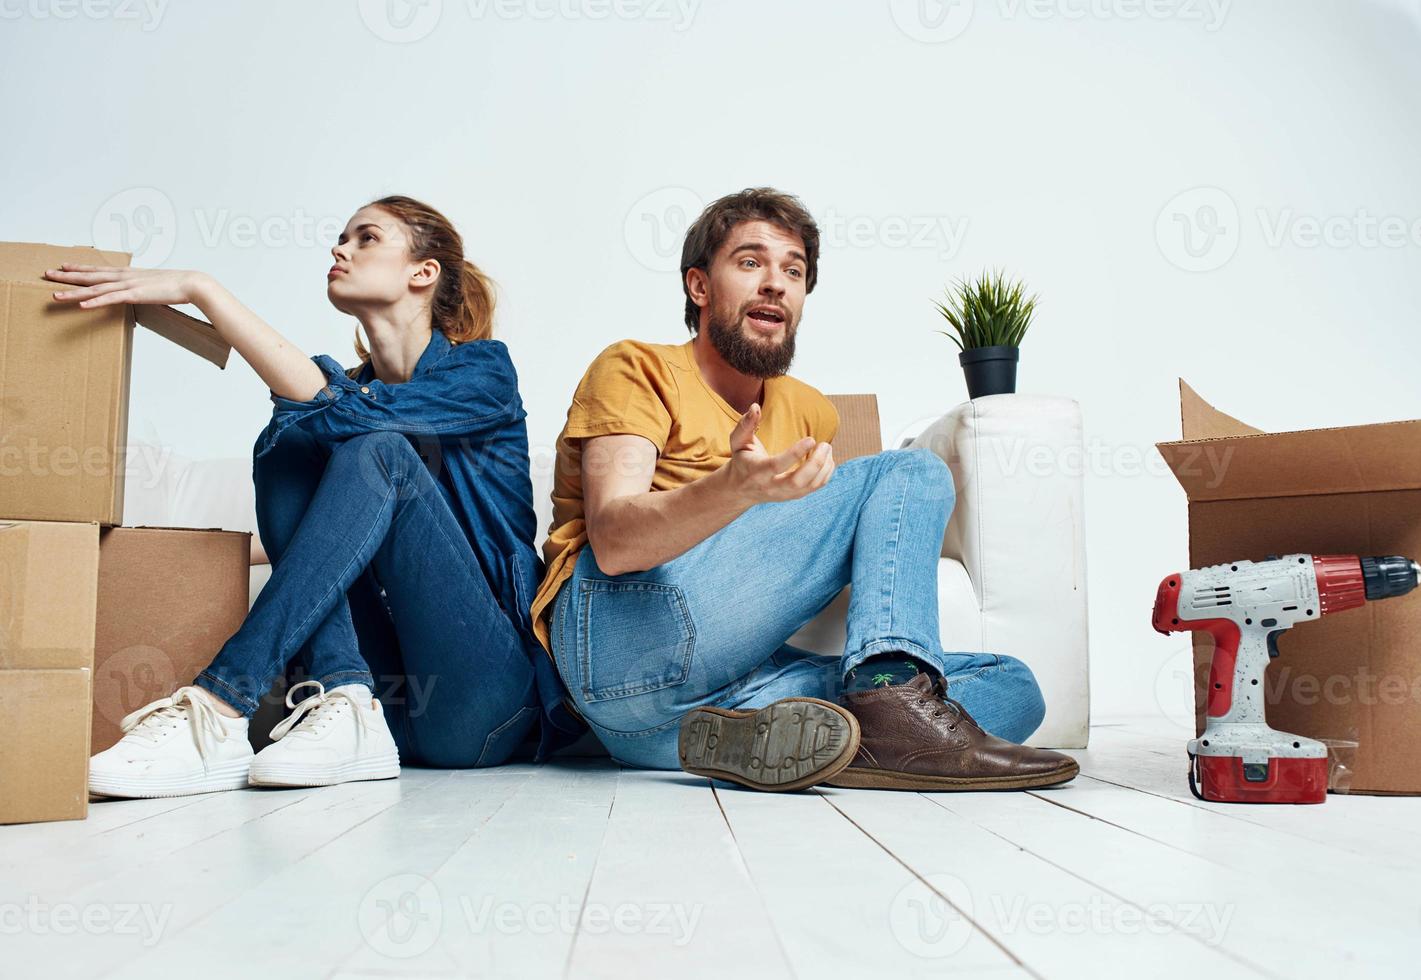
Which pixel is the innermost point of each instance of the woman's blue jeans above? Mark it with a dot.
(373, 582)
(639, 650)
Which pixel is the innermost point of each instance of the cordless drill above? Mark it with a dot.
(1245, 606)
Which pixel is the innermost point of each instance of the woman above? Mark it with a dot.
(394, 502)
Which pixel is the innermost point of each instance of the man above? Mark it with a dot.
(700, 520)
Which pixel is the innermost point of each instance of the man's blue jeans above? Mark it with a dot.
(639, 650)
(373, 582)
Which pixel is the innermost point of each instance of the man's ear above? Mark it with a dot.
(698, 286)
(425, 274)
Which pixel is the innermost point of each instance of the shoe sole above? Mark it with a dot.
(858, 777)
(379, 767)
(229, 776)
(786, 746)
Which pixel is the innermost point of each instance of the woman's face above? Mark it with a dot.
(373, 267)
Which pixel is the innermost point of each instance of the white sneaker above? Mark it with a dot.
(335, 736)
(175, 746)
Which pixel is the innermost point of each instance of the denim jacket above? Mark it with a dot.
(462, 411)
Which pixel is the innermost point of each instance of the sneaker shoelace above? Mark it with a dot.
(312, 713)
(185, 704)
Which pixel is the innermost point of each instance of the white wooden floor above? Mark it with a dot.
(578, 869)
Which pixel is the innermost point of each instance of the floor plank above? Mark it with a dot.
(504, 901)
(836, 899)
(306, 916)
(673, 896)
(1277, 929)
(1056, 923)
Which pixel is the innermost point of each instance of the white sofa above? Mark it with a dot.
(1012, 576)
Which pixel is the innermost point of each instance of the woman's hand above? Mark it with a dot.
(106, 285)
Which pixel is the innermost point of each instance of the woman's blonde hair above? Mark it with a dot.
(462, 308)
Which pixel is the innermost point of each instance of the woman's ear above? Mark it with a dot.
(425, 274)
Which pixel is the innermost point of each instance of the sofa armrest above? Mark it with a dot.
(1017, 530)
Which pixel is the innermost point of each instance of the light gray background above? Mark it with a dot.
(1159, 170)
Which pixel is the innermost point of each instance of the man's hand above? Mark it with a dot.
(107, 285)
(754, 475)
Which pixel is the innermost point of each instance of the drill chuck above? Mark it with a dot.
(1388, 577)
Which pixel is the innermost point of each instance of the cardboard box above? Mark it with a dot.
(64, 377)
(1351, 677)
(168, 598)
(48, 602)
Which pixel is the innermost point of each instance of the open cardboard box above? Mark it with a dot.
(64, 381)
(1351, 678)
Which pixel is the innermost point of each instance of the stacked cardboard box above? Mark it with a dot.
(95, 620)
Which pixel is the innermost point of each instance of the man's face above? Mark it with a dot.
(753, 295)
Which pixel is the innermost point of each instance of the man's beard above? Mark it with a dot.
(748, 355)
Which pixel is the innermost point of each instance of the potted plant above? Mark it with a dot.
(989, 316)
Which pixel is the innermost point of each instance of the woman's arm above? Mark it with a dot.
(470, 392)
(287, 371)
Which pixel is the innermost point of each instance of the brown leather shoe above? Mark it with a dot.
(914, 737)
(788, 745)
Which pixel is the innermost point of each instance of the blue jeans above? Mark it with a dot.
(373, 578)
(639, 650)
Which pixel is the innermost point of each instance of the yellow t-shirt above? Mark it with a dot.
(657, 391)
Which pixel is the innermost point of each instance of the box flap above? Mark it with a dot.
(1200, 420)
(25, 263)
(1224, 459)
(188, 332)
(860, 433)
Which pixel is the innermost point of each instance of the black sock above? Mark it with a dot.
(885, 670)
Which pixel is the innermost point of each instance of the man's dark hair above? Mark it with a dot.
(713, 227)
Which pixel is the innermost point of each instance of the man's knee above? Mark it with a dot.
(929, 469)
(1022, 698)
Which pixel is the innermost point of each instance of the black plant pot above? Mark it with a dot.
(990, 370)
